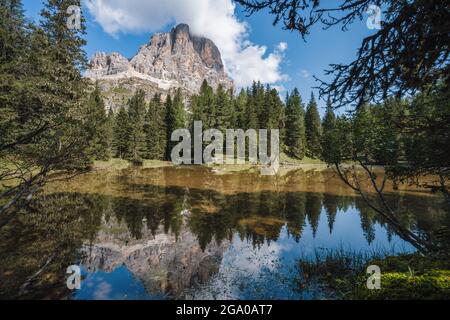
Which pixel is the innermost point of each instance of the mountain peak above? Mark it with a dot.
(182, 28)
(175, 59)
(176, 55)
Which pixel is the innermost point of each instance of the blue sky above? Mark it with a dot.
(290, 68)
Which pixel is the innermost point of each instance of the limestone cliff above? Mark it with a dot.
(176, 59)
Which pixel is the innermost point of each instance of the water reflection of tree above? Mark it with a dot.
(331, 205)
(56, 227)
(41, 241)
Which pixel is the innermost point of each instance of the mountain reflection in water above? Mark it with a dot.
(186, 233)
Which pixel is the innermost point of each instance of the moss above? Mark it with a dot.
(403, 277)
(433, 285)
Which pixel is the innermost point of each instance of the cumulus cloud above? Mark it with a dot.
(214, 19)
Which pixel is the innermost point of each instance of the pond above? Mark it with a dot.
(193, 233)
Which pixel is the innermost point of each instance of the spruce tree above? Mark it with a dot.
(155, 130)
(65, 58)
(175, 119)
(42, 95)
(251, 112)
(295, 126)
(259, 95)
(122, 134)
(240, 104)
(13, 30)
(328, 136)
(275, 111)
(224, 109)
(110, 133)
(208, 102)
(137, 111)
(97, 124)
(313, 129)
(14, 35)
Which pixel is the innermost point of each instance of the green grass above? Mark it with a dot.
(120, 164)
(403, 277)
(113, 164)
(156, 164)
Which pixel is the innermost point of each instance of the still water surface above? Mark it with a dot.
(189, 233)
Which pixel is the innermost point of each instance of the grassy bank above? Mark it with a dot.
(120, 164)
(403, 277)
(286, 162)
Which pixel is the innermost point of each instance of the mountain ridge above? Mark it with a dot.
(171, 60)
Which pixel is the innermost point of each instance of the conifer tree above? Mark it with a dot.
(295, 126)
(65, 58)
(97, 124)
(251, 112)
(275, 111)
(42, 96)
(224, 109)
(328, 136)
(208, 99)
(198, 111)
(240, 104)
(13, 30)
(175, 119)
(136, 112)
(313, 129)
(110, 132)
(155, 130)
(258, 97)
(14, 35)
(122, 134)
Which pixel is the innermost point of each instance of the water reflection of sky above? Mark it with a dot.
(117, 285)
(267, 272)
(263, 272)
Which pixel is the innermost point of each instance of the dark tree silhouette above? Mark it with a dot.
(409, 54)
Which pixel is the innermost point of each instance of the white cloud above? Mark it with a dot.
(304, 73)
(282, 47)
(214, 19)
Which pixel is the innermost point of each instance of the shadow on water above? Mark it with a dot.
(174, 234)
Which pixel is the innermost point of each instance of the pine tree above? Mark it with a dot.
(122, 134)
(313, 129)
(295, 126)
(175, 119)
(155, 130)
(136, 113)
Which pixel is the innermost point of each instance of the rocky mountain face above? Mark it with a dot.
(172, 60)
(167, 265)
